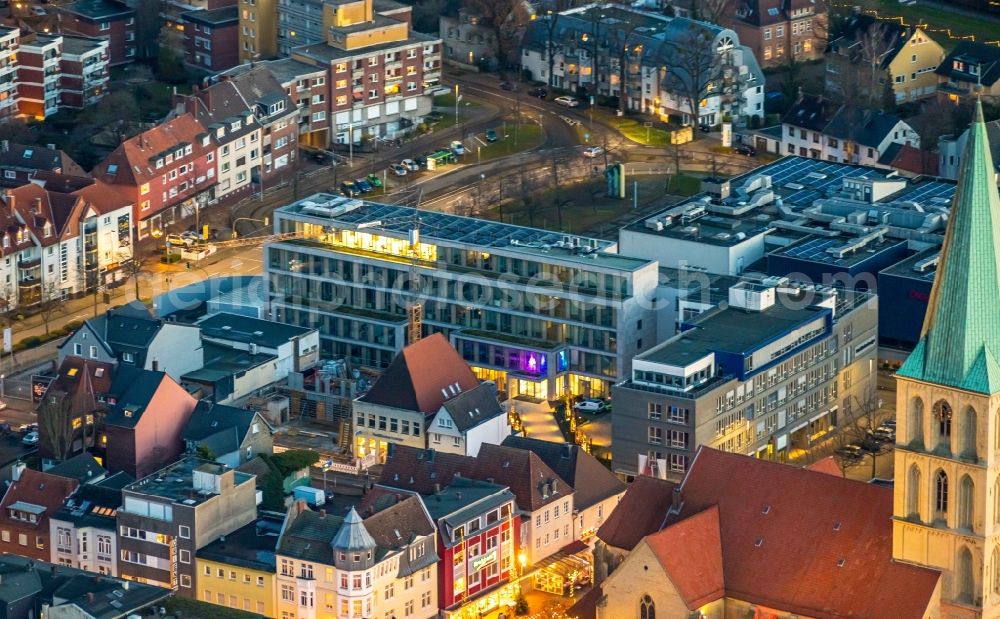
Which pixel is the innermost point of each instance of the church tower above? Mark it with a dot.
(947, 493)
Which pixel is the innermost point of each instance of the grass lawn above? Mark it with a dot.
(448, 100)
(632, 129)
(683, 185)
(529, 135)
(940, 22)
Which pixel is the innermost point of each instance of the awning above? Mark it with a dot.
(566, 561)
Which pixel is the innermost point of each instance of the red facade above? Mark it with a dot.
(211, 39)
(107, 19)
(477, 562)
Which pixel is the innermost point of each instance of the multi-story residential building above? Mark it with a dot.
(39, 74)
(174, 13)
(10, 42)
(469, 40)
(167, 517)
(19, 163)
(779, 368)
(817, 128)
(477, 522)
(261, 94)
(428, 397)
(970, 69)
(308, 87)
(84, 532)
(234, 132)
(586, 44)
(105, 19)
(780, 31)
(237, 570)
(574, 334)
(229, 435)
(258, 30)
(211, 39)
(906, 55)
(352, 568)
(26, 508)
(299, 22)
(380, 70)
(84, 68)
(161, 171)
(596, 490)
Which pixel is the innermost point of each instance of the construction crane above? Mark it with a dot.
(414, 307)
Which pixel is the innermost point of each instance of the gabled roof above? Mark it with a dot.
(421, 470)
(528, 477)
(221, 429)
(691, 554)
(865, 127)
(767, 12)
(810, 112)
(859, 26)
(960, 339)
(422, 377)
(83, 468)
(82, 380)
(257, 85)
(826, 541)
(641, 512)
(133, 390)
(133, 162)
(399, 524)
(39, 489)
(128, 328)
(591, 481)
(969, 53)
(472, 408)
(308, 536)
(36, 157)
(909, 159)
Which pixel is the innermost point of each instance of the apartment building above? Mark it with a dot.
(10, 42)
(237, 570)
(104, 19)
(776, 371)
(586, 41)
(308, 88)
(258, 30)
(347, 567)
(174, 14)
(574, 334)
(779, 31)
(26, 508)
(161, 171)
(60, 71)
(211, 39)
(84, 531)
(84, 68)
(167, 517)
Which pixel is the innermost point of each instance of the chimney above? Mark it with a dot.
(437, 488)
(5, 145)
(125, 583)
(9, 198)
(156, 365)
(675, 501)
(36, 205)
(90, 597)
(322, 513)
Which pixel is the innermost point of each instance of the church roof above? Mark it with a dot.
(961, 335)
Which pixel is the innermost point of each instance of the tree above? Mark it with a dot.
(293, 460)
(147, 25)
(506, 19)
(551, 23)
(16, 131)
(426, 15)
(697, 70)
(118, 106)
(713, 11)
(49, 300)
(55, 423)
(858, 423)
(625, 57)
(170, 66)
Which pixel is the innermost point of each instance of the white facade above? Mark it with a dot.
(94, 549)
(679, 253)
(238, 152)
(176, 350)
(817, 145)
(548, 529)
(442, 435)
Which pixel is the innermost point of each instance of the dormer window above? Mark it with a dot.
(235, 126)
(159, 164)
(6, 240)
(28, 153)
(188, 150)
(113, 168)
(48, 229)
(128, 413)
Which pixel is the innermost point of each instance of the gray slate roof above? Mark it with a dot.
(353, 535)
(82, 468)
(471, 408)
(219, 428)
(133, 389)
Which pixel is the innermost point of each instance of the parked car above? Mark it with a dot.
(593, 151)
(746, 149)
(363, 185)
(567, 101)
(421, 160)
(541, 93)
(30, 439)
(890, 423)
(186, 239)
(705, 127)
(590, 405)
(410, 165)
(508, 86)
(885, 434)
(851, 452)
(458, 148)
(374, 180)
(400, 169)
(349, 189)
(491, 135)
(3, 405)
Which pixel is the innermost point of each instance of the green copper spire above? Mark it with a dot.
(961, 336)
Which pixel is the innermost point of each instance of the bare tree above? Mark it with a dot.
(55, 423)
(718, 12)
(528, 195)
(148, 23)
(856, 438)
(697, 70)
(625, 56)
(506, 19)
(50, 299)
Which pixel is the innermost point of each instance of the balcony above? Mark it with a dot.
(29, 263)
(29, 283)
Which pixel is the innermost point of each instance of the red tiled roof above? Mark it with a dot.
(827, 465)
(422, 377)
(691, 553)
(37, 488)
(910, 159)
(419, 470)
(810, 544)
(133, 155)
(641, 512)
(586, 606)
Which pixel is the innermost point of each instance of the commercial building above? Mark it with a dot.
(586, 41)
(839, 224)
(167, 517)
(84, 532)
(237, 570)
(540, 313)
(106, 19)
(779, 368)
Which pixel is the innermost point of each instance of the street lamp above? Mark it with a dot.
(456, 103)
